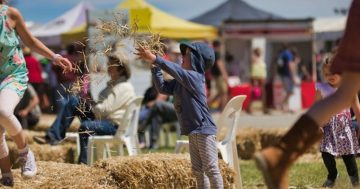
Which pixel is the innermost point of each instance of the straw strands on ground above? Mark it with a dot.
(62, 175)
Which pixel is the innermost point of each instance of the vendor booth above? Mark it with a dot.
(239, 38)
(150, 18)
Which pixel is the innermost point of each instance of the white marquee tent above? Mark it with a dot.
(50, 33)
(329, 28)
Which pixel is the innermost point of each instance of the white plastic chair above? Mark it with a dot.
(227, 124)
(125, 134)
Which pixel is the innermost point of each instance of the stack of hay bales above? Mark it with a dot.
(157, 171)
(250, 140)
(150, 171)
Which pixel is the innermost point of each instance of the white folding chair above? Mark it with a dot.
(227, 125)
(125, 134)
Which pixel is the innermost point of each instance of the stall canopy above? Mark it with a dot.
(157, 21)
(50, 33)
(329, 28)
(233, 10)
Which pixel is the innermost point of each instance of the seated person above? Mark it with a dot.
(154, 112)
(101, 118)
(28, 110)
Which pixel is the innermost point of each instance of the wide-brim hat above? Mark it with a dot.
(123, 62)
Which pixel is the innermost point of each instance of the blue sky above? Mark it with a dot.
(41, 11)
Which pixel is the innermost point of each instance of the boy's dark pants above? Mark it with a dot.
(330, 163)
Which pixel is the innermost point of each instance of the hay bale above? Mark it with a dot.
(30, 136)
(62, 175)
(270, 136)
(46, 120)
(248, 142)
(156, 171)
(60, 153)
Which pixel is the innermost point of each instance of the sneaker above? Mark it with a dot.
(45, 140)
(28, 164)
(328, 183)
(41, 139)
(7, 181)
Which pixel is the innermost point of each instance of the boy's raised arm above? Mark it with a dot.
(165, 87)
(182, 76)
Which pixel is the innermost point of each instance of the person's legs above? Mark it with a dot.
(64, 118)
(330, 164)
(155, 128)
(143, 124)
(275, 161)
(202, 180)
(351, 167)
(9, 100)
(221, 86)
(288, 85)
(96, 127)
(209, 159)
(162, 112)
(5, 165)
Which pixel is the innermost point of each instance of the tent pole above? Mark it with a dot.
(313, 53)
(87, 42)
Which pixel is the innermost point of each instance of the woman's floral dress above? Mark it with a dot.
(13, 72)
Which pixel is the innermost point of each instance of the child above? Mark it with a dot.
(340, 138)
(13, 83)
(188, 88)
(274, 161)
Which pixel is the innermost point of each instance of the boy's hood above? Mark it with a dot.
(202, 55)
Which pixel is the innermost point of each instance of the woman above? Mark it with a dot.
(13, 83)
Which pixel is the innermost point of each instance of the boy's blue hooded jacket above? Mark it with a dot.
(188, 88)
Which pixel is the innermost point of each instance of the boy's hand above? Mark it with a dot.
(145, 54)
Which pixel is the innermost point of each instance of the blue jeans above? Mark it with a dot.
(64, 118)
(153, 117)
(93, 127)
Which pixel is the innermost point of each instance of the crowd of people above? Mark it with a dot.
(181, 90)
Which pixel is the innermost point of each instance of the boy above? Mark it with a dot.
(188, 88)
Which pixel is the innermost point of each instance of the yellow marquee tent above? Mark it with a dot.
(75, 34)
(150, 18)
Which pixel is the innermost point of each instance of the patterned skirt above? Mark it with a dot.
(340, 136)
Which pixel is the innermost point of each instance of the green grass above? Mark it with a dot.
(302, 175)
(307, 175)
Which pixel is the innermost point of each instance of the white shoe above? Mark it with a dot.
(28, 164)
